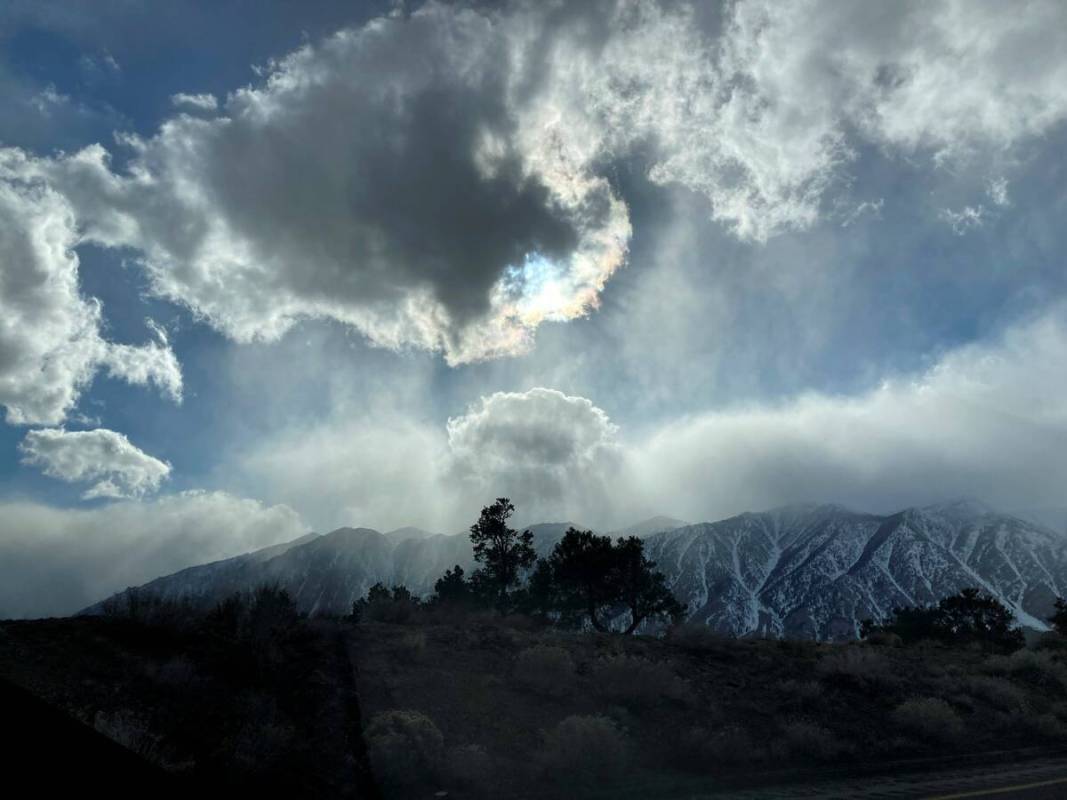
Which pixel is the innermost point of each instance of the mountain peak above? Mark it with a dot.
(647, 527)
(960, 506)
(409, 532)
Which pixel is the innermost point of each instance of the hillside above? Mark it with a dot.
(481, 707)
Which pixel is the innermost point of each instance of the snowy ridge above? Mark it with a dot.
(818, 571)
(812, 571)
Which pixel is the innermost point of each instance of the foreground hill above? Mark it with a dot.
(812, 571)
(483, 707)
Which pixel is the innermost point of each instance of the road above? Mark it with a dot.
(1043, 779)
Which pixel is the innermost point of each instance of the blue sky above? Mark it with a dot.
(813, 254)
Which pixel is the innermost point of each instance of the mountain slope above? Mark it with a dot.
(817, 571)
(327, 573)
(811, 571)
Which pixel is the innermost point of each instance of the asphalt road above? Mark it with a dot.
(1042, 779)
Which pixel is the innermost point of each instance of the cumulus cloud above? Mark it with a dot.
(197, 102)
(57, 561)
(50, 335)
(549, 452)
(118, 468)
(455, 201)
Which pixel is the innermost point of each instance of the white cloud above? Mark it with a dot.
(118, 468)
(198, 102)
(967, 218)
(57, 561)
(988, 421)
(50, 335)
(549, 452)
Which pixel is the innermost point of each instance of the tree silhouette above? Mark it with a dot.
(969, 617)
(581, 569)
(452, 588)
(640, 587)
(590, 578)
(1058, 619)
(502, 551)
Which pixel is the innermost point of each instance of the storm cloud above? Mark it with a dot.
(457, 200)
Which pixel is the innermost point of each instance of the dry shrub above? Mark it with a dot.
(858, 665)
(128, 728)
(701, 748)
(1038, 668)
(470, 767)
(545, 669)
(638, 681)
(884, 639)
(585, 749)
(801, 694)
(930, 718)
(411, 647)
(998, 693)
(695, 637)
(405, 748)
(808, 740)
(177, 672)
(1041, 726)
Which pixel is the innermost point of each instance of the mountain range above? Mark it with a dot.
(807, 571)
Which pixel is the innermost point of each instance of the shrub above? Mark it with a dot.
(129, 729)
(996, 692)
(585, 749)
(885, 639)
(1038, 668)
(638, 681)
(411, 647)
(702, 748)
(808, 740)
(930, 718)
(801, 694)
(695, 637)
(405, 747)
(858, 665)
(545, 669)
(1033, 726)
(471, 768)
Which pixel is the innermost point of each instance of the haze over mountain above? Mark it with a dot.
(811, 571)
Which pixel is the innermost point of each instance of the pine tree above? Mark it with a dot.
(502, 551)
(640, 587)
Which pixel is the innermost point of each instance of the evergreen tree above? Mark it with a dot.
(580, 572)
(969, 617)
(640, 587)
(452, 588)
(502, 551)
(1058, 619)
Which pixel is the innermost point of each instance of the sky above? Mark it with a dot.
(271, 267)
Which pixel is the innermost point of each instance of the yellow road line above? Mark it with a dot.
(1003, 789)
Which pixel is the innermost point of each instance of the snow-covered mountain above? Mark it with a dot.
(327, 573)
(812, 571)
(817, 571)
